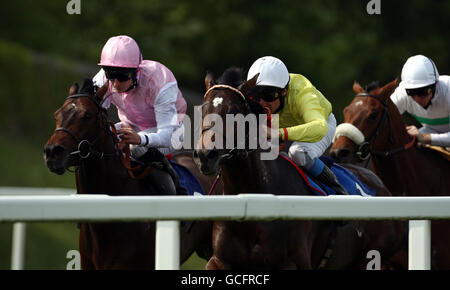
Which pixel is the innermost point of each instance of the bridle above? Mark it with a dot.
(364, 149)
(234, 152)
(85, 146)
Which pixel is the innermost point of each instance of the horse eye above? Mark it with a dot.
(87, 116)
(373, 115)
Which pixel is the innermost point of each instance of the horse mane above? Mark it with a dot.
(87, 87)
(372, 86)
(232, 76)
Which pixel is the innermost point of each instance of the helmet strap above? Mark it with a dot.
(135, 83)
(283, 94)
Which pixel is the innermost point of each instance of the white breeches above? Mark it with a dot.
(303, 153)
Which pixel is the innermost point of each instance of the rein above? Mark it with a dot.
(85, 147)
(364, 149)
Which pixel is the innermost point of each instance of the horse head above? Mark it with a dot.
(228, 96)
(79, 125)
(367, 123)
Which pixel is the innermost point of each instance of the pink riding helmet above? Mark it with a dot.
(121, 51)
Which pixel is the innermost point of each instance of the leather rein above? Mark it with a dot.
(85, 148)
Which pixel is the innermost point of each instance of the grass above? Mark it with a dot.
(46, 243)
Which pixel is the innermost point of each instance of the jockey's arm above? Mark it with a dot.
(442, 139)
(166, 119)
(312, 120)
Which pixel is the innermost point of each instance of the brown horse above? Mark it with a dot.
(83, 139)
(278, 244)
(405, 169)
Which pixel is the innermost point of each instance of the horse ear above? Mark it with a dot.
(209, 80)
(357, 88)
(73, 89)
(247, 86)
(389, 88)
(101, 92)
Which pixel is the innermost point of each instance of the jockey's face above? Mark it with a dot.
(422, 96)
(273, 106)
(121, 78)
(423, 100)
(121, 87)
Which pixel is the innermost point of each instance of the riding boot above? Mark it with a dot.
(181, 190)
(155, 158)
(329, 178)
(160, 182)
(324, 174)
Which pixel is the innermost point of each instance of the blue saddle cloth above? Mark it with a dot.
(345, 177)
(187, 179)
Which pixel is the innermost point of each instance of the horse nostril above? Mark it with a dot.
(53, 150)
(46, 151)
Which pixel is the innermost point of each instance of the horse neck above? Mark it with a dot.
(244, 175)
(400, 171)
(105, 175)
(396, 134)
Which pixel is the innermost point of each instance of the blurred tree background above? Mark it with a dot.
(43, 50)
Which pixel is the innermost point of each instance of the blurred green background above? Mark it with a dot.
(43, 50)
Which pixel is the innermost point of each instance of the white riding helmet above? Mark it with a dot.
(419, 71)
(272, 72)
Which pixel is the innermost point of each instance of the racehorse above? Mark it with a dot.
(374, 127)
(83, 138)
(278, 244)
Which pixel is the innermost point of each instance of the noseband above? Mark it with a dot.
(85, 147)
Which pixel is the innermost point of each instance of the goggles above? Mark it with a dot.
(120, 74)
(268, 94)
(421, 92)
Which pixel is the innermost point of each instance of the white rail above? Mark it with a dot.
(241, 207)
(19, 229)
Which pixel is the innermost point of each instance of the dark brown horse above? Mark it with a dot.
(83, 139)
(405, 169)
(278, 244)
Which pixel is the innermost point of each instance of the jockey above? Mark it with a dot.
(426, 96)
(150, 106)
(305, 115)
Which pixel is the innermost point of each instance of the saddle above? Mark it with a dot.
(347, 179)
(444, 151)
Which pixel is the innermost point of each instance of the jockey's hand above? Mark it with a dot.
(130, 136)
(271, 134)
(412, 130)
(424, 138)
(421, 138)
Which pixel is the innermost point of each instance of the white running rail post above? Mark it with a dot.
(419, 247)
(167, 245)
(18, 246)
